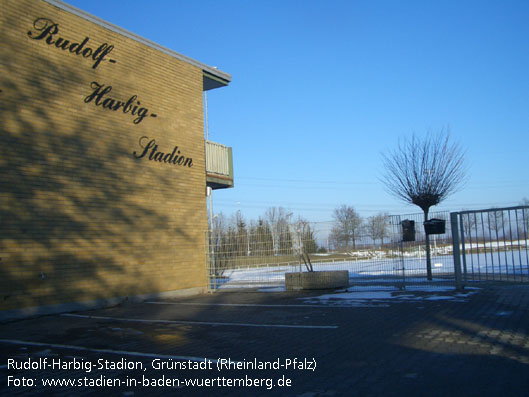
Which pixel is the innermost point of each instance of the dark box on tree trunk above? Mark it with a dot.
(434, 226)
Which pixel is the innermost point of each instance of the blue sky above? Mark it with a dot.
(321, 88)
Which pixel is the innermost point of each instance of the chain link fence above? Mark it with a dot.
(259, 256)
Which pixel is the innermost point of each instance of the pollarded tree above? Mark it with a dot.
(424, 171)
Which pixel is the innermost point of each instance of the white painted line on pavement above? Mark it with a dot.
(137, 320)
(234, 304)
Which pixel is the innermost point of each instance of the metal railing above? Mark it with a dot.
(218, 159)
(494, 244)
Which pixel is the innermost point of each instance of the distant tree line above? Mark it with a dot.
(278, 233)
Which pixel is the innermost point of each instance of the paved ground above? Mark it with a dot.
(457, 345)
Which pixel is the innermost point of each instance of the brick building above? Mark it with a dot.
(103, 162)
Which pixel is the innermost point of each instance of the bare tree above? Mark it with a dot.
(424, 171)
(306, 236)
(347, 226)
(525, 218)
(469, 223)
(337, 239)
(377, 227)
(496, 222)
(218, 230)
(278, 221)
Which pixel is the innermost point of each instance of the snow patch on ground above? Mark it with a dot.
(384, 296)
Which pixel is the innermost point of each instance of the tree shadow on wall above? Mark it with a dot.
(81, 218)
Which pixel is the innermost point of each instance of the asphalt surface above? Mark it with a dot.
(400, 343)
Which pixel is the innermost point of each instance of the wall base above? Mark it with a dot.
(35, 311)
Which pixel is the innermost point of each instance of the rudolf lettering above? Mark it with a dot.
(151, 152)
(100, 97)
(48, 31)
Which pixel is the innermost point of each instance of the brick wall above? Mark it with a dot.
(82, 215)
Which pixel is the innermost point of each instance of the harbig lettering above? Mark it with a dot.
(132, 105)
(47, 30)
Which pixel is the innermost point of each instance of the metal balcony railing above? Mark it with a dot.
(217, 158)
(219, 165)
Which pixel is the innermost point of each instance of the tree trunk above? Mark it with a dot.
(428, 255)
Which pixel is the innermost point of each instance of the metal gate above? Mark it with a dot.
(493, 244)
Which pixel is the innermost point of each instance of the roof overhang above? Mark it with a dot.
(212, 81)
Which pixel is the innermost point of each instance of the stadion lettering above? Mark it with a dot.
(47, 30)
(151, 152)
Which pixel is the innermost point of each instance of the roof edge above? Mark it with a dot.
(92, 18)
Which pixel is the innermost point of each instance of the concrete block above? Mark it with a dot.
(316, 280)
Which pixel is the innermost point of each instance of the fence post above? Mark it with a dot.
(455, 250)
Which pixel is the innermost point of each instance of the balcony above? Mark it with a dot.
(219, 166)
